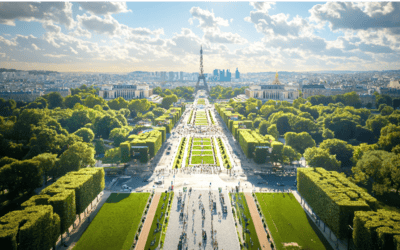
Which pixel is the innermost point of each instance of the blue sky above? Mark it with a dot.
(166, 36)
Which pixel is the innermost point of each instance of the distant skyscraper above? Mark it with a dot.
(215, 72)
(223, 76)
(228, 76)
(171, 76)
(181, 76)
(237, 74)
(163, 75)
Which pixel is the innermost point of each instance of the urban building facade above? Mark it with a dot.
(274, 91)
(126, 91)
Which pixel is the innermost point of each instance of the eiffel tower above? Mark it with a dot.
(201, 76)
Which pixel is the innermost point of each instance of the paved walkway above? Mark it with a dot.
(147, 223)
(262, 235)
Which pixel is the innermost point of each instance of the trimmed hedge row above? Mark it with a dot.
(190, 117)
(215, 153)
(224, 154)
(71, 194)
(33, 228)
(152, 139)
(172, 116)
(179, 156)
(333, 197)
(377, 230)
(189, 151)
(211, 118)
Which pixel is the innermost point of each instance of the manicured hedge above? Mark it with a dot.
(211, 118)
(333, 197)
(152, 139)
(179, 156)
(189, 149)
(63, 203)
(125, 151)
(190, 117)
(376, 230)
(33, 228)
(224, 154)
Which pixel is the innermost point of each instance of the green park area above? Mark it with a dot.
(288, 223)
(201, 101)
(116, 224)
(155, 233)
(242, 213)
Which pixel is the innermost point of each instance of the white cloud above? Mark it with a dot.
(73, 51)
(105, 8)
(357, 16)
(60, 12)
(277, 24)
(35, 47)
(207, 19)
(262, 6)
(224, 37)
(55, 56)
(79, 32)
(108, 25)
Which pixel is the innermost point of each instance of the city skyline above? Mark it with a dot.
(118, 37)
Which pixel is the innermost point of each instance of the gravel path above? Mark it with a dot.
(226, 233)
(147, 223)
(261, 234)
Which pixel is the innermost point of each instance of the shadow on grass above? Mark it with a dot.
(117, 197)
(319, 234)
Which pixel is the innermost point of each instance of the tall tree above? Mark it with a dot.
(168, 101)
(290, 155)
(299, 141)
(77, 156)
(272, 130)
(139, 105)
(86, 134)
(71, 100)
(317, 157)
(380, 168)
(54, 99)
(47, 164)
(342, 150)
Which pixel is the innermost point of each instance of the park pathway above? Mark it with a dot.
(262, 235)
(147, 223)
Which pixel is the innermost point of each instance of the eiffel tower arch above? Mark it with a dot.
(201, 76)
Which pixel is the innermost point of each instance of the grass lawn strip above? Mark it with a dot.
(287, 221)
(115, 225)
(165, 225)
(208, 159)
(244, 210)
(158, 217)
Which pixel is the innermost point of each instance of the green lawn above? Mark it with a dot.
(115, 226)
(198, 152)
(208, 159)
(288, 222)
(244, 210)
(196, 159)
(157, 235)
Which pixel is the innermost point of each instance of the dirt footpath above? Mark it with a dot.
(262, 235)
(147, 223)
